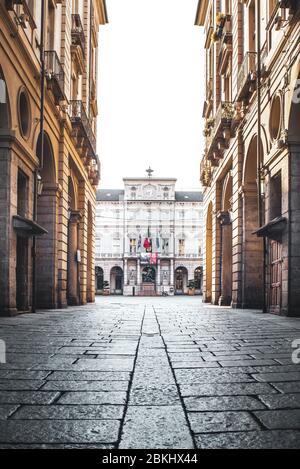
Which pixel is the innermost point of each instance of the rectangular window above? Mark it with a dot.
(116, 245)
(275, 196)
(165, 245)
(181, 247)
(132, 246)
(22, 194)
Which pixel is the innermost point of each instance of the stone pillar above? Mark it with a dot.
(7, 236)
(47, 248)
(226, 259)
(158, 273)
(73, 270)
(252, 251)
(138, 278)
(172, 272)
(125, 272)
(291, 301)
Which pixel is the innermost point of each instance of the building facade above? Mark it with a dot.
(250, 169)
(49, 169)
(149, 239)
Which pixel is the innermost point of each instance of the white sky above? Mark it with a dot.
(151, 82)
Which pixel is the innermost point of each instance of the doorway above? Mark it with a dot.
(22, 274)
(181, 281)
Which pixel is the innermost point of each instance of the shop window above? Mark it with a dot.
(275, 196)
(22, 194)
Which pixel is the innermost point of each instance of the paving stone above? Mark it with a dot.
(153, 396)
(158, 427)
(89, 376)
(230, 389)
(196, 364)
(250, 362)
(69, 412)
(89, 397)
(197, 404)
(280, 419)
(123, 364)
(284, 439)
(194, 376)
(274, 377)
(85, 386)
(286, 387)
(28, 397)
(22, 374)
(6, 410)
(212, 422)
(21, 385)
(55, 431)
(281, 401)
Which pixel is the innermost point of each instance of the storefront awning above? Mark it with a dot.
(273, 229)
(26, 227)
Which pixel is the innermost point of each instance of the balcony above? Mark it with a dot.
(77, 33)
(55, 75)
(225, 50)
(246, 81)
(27, 16)
(82, 129)
(78, 43)
(219, 132)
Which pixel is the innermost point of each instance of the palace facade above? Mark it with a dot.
(49, 168)
(250, 169)
(149, 239)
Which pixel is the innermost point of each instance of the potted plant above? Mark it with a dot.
(105, 290)
(191, 287)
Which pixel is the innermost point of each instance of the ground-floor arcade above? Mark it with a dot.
(131, 277)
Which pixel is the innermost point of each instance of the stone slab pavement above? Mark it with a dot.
(149, 373)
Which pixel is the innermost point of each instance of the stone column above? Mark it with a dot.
(46, 261)
(138, 277)
(172, 272)
(252, 285)
(73, 271)
(158, 273)
(125, 272)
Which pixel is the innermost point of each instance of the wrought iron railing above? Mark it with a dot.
(77, 31)
(78, 115)
(54, 68)
(247, 70)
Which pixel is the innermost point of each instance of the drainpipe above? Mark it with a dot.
(259, 152)
(41, 160)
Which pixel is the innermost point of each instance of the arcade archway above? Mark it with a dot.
(47, 203)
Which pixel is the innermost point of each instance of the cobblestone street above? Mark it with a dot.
(149, 373)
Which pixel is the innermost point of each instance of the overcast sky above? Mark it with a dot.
(151, 81)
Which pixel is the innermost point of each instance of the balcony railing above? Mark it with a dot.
(78, 36)
(246, 75)
(55, 74)
(27, 8)
(80, 120)
(220, 130)
(227, 32)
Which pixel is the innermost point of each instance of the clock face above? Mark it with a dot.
(149, 191)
